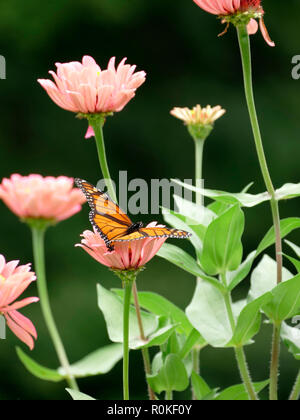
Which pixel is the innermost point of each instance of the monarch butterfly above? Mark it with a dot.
(114, 225)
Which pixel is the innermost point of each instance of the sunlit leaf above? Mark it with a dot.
(291, 337)
(239, 393)
(285, 302)
(79, 396)
(38, 370)
(200, 387)
(161, 306)
(286, 227)
(183, 260)
(207, 313)
(264, 277)
(222, 247)
(99, 362)
(171, 377)
(249, 321)
(244, 199)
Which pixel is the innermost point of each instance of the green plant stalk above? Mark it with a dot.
(199, 147)
(39, 260)
(126, 313)
(169, 395)
(239, 351)
(244, 43)
(295, 395)
(145, 351)
(97, 125)
(274, 372)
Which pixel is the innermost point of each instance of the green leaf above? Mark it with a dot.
(288, 191)
(249, 321)
(294, 247)
(286, 227)
(222, 247)
(97, 363)
(264, 277)
(218, 207)
(161, 306)
(194, 212)
(285, 302)
(112, 308)
(192, 340)
(291, 338)
(38, 370)
(79, 396)
(239, 393)
(295, 262)
(179, 257)
(234, 278)
(200, 387)
(244, 199)
(158, 338)
(179, 222)
(183, 260)
(171, 377)
(207, 313)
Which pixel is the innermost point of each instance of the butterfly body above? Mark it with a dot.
(114, 225)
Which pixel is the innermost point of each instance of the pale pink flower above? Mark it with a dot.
(198, 115)
(85, 88)
(14, 280)
(37, 197)
(225, 8)
(129, 255)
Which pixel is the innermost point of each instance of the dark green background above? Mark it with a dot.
(176, 44)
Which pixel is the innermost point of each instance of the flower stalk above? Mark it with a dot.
(38, 234)
(296, 389)
(244, 43)
(127, 284)
(97, 121)
(239, 351)
(145, 351)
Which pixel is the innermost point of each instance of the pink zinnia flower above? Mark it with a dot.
(225, 8)
(85, 88)
(36, 197)
(130, 255)
(13, 281)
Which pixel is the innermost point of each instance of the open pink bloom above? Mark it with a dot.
(36, 197)
(231, 7)
(126, 255)
(14, 281)
(85, 88)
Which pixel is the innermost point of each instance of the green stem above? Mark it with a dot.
(196, 367)
(199, 146)
(169, 395)
(145, 351)
(295, 395)
(127, 298)
(274, 372)
(244, 372)
(244, 43)
(247, 70)
(39, 259)
(239, 351)
(97, 125)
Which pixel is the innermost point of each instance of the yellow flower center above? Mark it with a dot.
(2, 279)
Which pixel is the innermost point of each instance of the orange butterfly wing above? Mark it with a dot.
(154, 232)
(113, 224)
(106, 216)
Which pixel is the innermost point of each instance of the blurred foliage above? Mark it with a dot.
(177, 44)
